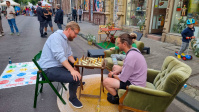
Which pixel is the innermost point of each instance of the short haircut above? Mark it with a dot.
(58, 5)
(8, 1)
(39, 3)
(73, 25)
(126, 38)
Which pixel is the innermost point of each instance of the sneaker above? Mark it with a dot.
(113, 99)
(183, 54)
(1, 35)
(45, 33)
(179, 56)
(43, 36)
(83, 83)
(18, 34)
(11, 33)
(76, 103)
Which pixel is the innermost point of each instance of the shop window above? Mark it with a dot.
(86, 5)
(99, 5)
(183, 10)
(135, 12)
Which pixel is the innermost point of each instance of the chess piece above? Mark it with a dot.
(184, 10)
(83, 57)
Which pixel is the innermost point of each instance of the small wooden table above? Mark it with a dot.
(108, 33)
(86, 62)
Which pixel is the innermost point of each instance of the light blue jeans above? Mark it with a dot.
(12, 23)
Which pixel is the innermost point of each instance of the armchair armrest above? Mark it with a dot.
(107, 53)
(148, 91)
(151, 74)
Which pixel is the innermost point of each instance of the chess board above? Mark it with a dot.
(89, 62)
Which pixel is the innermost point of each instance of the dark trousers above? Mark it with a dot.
(75, 18)
(61, 74)
(42, 25)
(80, 17)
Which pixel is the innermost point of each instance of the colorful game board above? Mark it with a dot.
(18, 74)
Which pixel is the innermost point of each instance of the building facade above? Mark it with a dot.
(164, 19)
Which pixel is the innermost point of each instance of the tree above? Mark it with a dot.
(26, 1)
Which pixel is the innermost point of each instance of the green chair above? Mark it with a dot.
(41, 80)
(161, 88)
(108, 59)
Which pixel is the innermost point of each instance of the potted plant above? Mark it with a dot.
(91, 39)
(109, 26)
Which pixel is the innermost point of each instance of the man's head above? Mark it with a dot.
(124, 41)
(46, 6)
(8, 3)
(39, 3)
(74, 7)
(71, 30)
(58, 6)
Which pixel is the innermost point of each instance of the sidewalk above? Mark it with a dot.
(159, 51)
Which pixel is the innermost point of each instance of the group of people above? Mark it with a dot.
(28, 11)
(57, 61)
(45, 18)
(76, 13)
(10, 16)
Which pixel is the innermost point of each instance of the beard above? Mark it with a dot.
(70, 38)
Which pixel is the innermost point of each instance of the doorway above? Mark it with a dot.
(158, 16)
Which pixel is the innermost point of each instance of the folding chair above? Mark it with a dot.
(41, 80)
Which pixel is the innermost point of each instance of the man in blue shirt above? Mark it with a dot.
(56, 58)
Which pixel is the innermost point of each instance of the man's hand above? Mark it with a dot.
(76, 75)
(110, 74)
(193, 37)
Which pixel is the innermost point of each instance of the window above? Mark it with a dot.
(183, 10)
(99, 5)
(135, 12)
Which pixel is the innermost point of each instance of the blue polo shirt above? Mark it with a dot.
(55, 51)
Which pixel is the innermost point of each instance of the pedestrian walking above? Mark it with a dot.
(27, 11)
(80, 13)
(59, 17)
(74, 14)
(48, 14)
(1, 28)
(41, 19)
(11, 18)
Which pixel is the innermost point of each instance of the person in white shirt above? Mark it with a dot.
(11, 18)
(1, 28)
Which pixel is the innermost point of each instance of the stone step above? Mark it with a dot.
(154, 37)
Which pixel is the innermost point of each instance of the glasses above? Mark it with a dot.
(75, 32)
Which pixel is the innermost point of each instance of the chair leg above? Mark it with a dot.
(64, 86)
(41, 90)
(98, 38)
(54, 89)
(36, 91)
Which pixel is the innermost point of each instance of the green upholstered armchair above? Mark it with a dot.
(107, 55)
(161, 88)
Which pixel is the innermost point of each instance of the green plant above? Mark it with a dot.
(180, 26)
(108, 25)
(91, 38)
